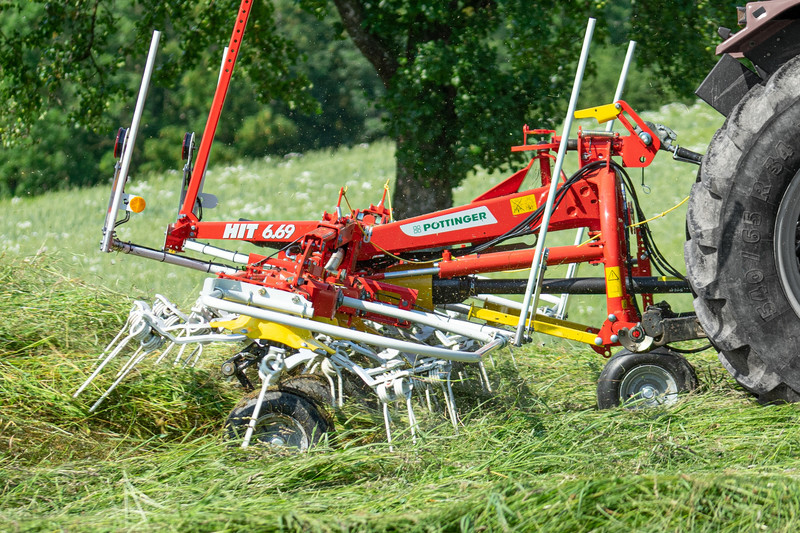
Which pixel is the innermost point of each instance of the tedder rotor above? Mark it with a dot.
(357, 302)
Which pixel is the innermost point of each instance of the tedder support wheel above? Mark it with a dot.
(315, 387)
(648, 379)
(742, 250)
(312, 387)
(285, 420)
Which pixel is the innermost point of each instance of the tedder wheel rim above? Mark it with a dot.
(647, 386)
(281, 430)
(786, 243)
(285, 420)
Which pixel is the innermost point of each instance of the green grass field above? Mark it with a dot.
(535, 456)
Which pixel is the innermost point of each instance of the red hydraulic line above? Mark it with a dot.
(494, 262)
(216, 109)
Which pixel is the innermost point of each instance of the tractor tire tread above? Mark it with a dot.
(739, 298)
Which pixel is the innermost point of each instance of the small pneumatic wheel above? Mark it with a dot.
(285, 420)
(643, 380)
(315, 387)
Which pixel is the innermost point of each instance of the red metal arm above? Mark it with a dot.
(180, 231)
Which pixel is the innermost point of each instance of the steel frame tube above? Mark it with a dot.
(498, 261)
(302, 308)
(345, 333)
(431, 271)
(466, 287)
(474, 331)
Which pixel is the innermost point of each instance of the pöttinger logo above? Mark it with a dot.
(469, 218)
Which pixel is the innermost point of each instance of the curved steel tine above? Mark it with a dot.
(102, 364)
(129, 362)
(198, 351)
(450, 402)
(386, 421)
(484, 378)
(121, 332)
(428, 397)
(180, 354)
(117, 382)
(251, 427)
(412, 420)
(187, 360)
(164, 353)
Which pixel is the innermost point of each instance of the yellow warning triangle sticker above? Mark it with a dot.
(613, 282)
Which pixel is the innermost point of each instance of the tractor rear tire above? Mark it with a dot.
(741, 254)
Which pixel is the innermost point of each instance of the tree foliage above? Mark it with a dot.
(461, 77)
(71, 55)
(61, 109)
(679, 37)
(454, 80)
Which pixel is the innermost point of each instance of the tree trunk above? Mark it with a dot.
(415, 193)
(412, 198)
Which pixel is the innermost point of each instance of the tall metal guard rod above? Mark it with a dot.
(562, 150)
(127, 154)
(572, 269)
(623, 77)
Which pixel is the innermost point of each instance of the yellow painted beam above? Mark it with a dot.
(541, 324)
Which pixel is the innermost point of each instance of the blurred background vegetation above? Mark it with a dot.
(65, 85)
(62, 151)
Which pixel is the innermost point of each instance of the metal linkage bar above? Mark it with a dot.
(173, 259)
(214, 300)
(118, 189)
(214, 251)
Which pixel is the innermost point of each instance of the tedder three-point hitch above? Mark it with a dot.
(357, 301)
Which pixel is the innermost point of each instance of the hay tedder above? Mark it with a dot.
(357, 304)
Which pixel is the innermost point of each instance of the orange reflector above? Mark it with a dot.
(136, 204)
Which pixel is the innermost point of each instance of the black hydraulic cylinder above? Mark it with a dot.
(454, 290)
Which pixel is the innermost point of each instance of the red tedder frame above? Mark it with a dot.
(365, 254)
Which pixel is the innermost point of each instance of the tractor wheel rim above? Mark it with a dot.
(787, 238)
(648, 386)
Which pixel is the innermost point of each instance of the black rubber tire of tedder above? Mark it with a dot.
(315, 387)
(742, 224)
(642, 380)
(285, 420)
